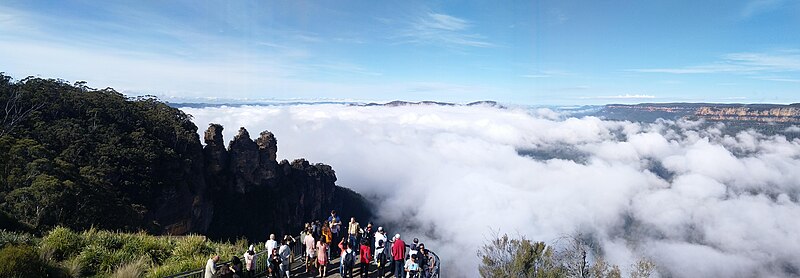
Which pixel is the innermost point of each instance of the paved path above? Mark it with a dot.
(298, 270)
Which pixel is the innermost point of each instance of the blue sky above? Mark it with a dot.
(526, 52)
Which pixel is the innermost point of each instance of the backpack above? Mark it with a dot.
(349, 259)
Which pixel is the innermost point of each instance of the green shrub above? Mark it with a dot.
(106, 239)
(177, 266)
(17, 238)
(156, 249)
(95, 259)
(134, 269)
(21, 261)
(62, 243)
(72, 268)
(189, 246)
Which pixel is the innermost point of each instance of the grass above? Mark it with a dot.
(99, 253)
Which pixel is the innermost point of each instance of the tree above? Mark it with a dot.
(643, 268)
(15, 107)
(570, 256)
(509, 257)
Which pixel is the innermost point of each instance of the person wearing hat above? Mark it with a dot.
(250, 261)
(380, 235)
(398, 255)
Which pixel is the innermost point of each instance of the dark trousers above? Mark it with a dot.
(381, 268)
(335, 252)
(364, 269)
(276, 270)
(348, 272)
(399, 272)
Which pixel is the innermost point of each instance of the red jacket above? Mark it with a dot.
(399, 250)
(366, 257)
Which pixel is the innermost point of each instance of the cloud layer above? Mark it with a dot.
(696, 201)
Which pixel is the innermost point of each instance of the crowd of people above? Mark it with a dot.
(372, 251)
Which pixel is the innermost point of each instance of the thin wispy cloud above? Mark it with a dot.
(546, 74)
(740, 63)
(755, 7)
(625, 96)
(444, 30)
(343, 67)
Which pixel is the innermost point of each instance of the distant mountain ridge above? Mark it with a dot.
(648, 112)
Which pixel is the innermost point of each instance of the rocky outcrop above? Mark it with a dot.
(256, 195)
(785, 114)
(243, 191)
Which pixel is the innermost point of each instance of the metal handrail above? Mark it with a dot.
(297, 250)
(260, 264)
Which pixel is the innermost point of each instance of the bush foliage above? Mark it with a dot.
(570, 257)
(79, 157)
(93, 252)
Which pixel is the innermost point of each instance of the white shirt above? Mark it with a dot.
(211, 269)
(271, 244)
(378, 237)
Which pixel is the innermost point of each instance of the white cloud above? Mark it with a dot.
(725, 206)
(444, 30)
(444, 22)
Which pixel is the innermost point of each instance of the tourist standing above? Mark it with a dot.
(322, 258)
(211, 267)
(311, 253)
(365, 257)
(327, 236)
(250, 261)
(274, 264)
(335, 223)
(270, 245)
(398, 256)
(286, 258)
(353, 228)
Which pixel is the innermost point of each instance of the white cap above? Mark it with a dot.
(380, 229)
(252, 248)
(397, 236)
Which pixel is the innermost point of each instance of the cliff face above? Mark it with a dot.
(786, 114)
(254, 195)
(734, 113)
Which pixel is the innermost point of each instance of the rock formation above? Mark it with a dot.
(255, 195)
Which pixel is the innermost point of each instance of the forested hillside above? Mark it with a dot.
(80, 157)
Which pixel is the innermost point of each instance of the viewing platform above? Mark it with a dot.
(298, 266)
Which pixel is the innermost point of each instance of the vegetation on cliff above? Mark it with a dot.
(82, 158)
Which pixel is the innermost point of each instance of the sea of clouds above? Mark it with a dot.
(696, 201)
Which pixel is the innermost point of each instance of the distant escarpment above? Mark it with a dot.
(80, 157)
(780, 114)
(732, 113)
